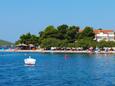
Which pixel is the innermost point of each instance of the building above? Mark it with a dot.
(107, 35)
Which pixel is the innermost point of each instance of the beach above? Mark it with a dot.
(60, 51)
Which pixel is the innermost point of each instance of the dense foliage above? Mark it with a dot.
(28, 39)
(64, 36)
(61, 36)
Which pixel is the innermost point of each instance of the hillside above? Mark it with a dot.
(5, 43)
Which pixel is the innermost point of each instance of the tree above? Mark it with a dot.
(111, 44)
(62, 30)
(87, 32)
(49, 42)
(34, 40)
(100, 29)
(25, 38)
(28, 38)
(49, 32)
(86, 43)
(63, 43)
(72, 33)
(103, 43)
(71, 45)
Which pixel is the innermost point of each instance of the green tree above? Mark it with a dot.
(25, 38)
(111, 44)
(28, 38)
(72, 33)
(103, 43)
(49, 42)
(62, 30)
(71, 45)
(34, 40)
(49, 32)
(86, 43)
(87, 33)
(100, 29)
(63, 43)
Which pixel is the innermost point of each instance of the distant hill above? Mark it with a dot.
(5, 43)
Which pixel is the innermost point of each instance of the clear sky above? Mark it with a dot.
(21, 16)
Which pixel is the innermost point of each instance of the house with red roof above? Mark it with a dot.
(107, 35)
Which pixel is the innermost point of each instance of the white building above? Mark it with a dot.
(107, 35)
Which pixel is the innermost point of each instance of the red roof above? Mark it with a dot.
(103, 31)
(98, 31)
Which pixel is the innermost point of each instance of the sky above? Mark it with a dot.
(18, 17)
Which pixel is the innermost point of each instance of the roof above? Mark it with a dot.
(98, 31)
(103, 31)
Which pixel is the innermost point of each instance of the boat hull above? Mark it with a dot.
(30, 61)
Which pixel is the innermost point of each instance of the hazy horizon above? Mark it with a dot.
(19, 17)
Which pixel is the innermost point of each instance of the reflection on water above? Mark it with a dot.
(57, 69)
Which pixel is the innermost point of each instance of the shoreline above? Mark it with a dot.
(59, 51)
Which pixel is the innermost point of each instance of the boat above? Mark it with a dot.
(30, 61)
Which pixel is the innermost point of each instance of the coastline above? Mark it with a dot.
(60, 51)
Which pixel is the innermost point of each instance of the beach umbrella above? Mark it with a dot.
(31, 45)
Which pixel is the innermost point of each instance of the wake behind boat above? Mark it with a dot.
(30, 61)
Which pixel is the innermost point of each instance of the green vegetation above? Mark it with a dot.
(87, 33)
(64, 36)
(28, 39)
(103, 43)
(86, 43)
(5, 43)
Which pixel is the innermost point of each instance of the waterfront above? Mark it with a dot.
(57, 69)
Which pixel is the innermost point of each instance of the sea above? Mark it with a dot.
(54, 69)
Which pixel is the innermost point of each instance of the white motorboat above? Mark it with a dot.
(30, 61)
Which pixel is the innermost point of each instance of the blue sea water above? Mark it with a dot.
(57, 69)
